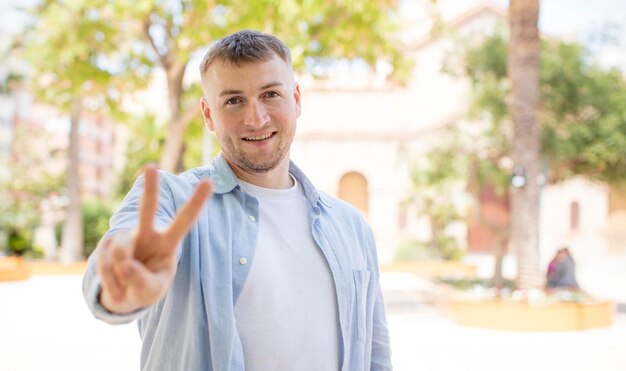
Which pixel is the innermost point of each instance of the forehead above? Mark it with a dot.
(224, 73)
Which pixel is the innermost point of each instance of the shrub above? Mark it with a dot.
(446, 248)
(19, 241)
(96, 217)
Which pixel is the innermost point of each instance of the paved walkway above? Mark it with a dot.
(44, 325)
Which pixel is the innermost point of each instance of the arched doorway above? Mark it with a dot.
(353, 189)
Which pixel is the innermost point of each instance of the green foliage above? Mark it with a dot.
(100, 50)
(435, 183)
(74, 49)
(20, 240)
(314, 30)
(6, 81)
(145, 143)
(318, 34)
(96, 215)
(446, 248)
(194, 135)
(28, 181)
(194, 141)
(146, 137)
(77, 61)
(471, 283)
(486, 141)
(582, 110)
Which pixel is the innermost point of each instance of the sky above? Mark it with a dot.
(598, 24)
(585, 21)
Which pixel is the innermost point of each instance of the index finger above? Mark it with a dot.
(149, 200)
(189, 212)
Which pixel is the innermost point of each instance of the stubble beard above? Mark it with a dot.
(249, 163)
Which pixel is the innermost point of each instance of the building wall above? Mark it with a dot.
(96, 147)
(97, 156)
(326, 162)
(617, 220)
(47, 139)
(588, 239)
(355, 124)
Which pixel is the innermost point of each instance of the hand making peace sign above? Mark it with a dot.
(137, 267)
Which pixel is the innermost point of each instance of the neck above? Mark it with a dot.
(277, 178)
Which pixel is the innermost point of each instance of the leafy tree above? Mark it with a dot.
(584, 118)
(146, 139)
(582, 108)
(28, 181)
(145, 143)
(581, 114)
(96, 215)
(168, 35)
(435, 182)
(74, 51)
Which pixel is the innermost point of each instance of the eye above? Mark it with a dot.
(272, 94)
(233, 100)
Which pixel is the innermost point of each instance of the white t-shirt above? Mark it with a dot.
(287, 310)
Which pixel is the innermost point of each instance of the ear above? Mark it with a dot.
(296, 95)
(206, 114)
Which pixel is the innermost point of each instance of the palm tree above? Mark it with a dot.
(523, 69)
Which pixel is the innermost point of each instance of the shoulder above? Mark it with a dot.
(343, 213)
(347, 229)
(339, 205)
(194, 175)
(173, 188)
(186, 180)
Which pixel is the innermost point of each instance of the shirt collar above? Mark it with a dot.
(225, 180)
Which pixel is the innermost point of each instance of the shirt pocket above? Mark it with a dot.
(361, 285)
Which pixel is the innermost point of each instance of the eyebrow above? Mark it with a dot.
(266, 86)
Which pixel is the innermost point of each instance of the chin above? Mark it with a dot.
(260, 168)
(255, 165)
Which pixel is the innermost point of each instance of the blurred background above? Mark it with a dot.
(409, 113)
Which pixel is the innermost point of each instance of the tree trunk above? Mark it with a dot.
(72, 238)
(501, 244)
(497, 226)
(523, 69)
(173, 149)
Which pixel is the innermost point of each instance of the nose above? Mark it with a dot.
(256, 114)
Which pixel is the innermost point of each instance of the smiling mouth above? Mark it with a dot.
(259, 137)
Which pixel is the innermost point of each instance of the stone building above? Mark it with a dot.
(358, 136)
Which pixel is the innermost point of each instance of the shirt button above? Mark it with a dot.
(251, 218)
(243, 261)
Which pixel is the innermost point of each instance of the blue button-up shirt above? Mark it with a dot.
(193, 326)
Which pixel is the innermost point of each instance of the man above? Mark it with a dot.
(269, 273)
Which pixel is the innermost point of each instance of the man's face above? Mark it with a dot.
(253, 109)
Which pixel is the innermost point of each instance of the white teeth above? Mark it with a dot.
(259, 137)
